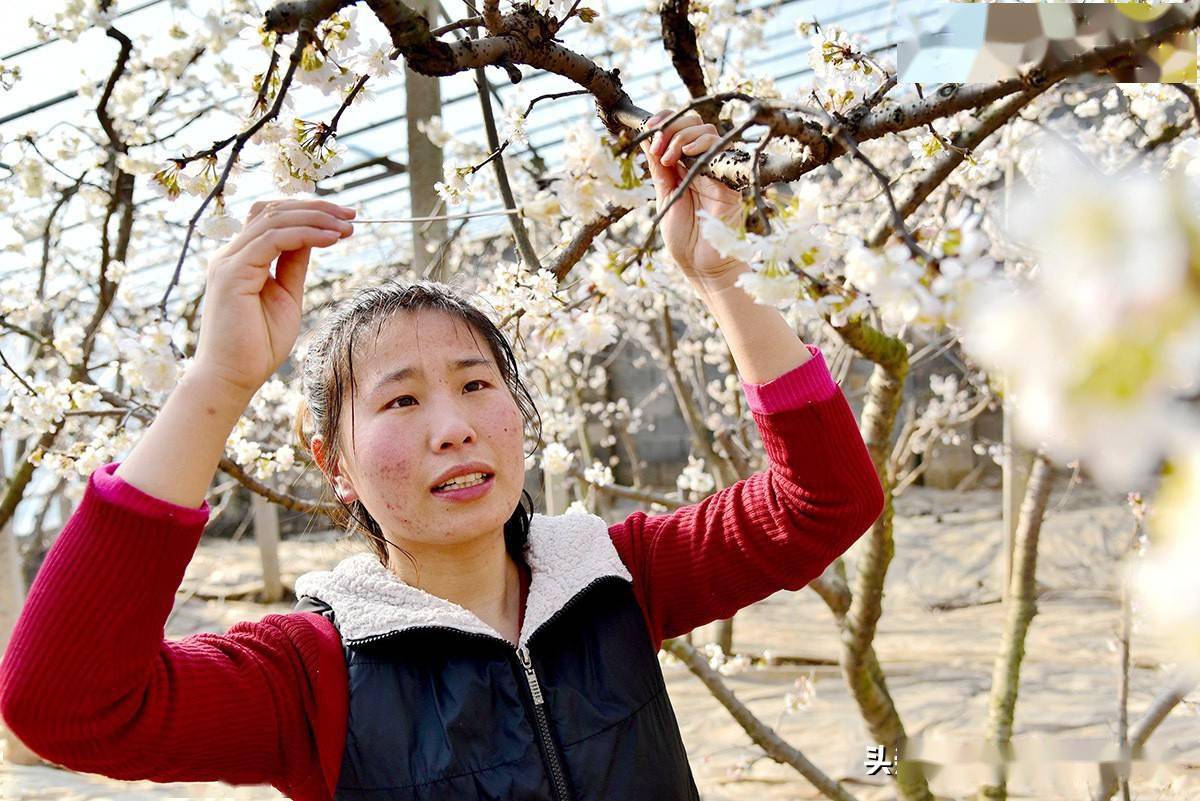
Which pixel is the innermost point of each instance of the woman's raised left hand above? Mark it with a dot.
(689, 135)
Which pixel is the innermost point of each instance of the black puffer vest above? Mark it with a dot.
(442, 708)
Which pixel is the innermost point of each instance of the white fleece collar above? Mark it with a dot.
(565, 553)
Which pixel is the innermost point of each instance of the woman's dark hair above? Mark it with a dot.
(328, 369)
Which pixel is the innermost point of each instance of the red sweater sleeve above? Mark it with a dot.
(88, 681)
(777, 529)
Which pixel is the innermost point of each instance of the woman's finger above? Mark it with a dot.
(662, 138)
(268, 246)
(653, 120)
(272, 218)
(680, 140)
(280, 204)
(700, 144)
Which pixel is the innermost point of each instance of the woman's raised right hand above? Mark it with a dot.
(251, 319)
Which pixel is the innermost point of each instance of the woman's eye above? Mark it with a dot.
(396, 401)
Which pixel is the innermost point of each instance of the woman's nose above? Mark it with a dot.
(452, 428)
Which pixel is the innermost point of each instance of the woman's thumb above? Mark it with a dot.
(665, 179)
(290, 271)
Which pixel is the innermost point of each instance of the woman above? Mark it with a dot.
(479, 651)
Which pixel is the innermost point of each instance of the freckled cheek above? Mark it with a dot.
(513, 439)
(512, 426)
(393, 474)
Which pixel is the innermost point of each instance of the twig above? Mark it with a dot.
(466, 22)
(260, 99)
(16, 375)
(756, 184)
(524, 246)
(557, 26)
(331, 129)
(106, 122)
(918, 253)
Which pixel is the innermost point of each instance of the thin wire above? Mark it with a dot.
(437, 217)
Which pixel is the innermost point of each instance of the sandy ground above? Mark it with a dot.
(937, 640)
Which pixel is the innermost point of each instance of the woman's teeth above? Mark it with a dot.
(469, 480)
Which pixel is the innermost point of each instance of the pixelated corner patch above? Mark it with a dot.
(975, 43)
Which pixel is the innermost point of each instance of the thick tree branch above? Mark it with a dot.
(679, 38)
(579, 244)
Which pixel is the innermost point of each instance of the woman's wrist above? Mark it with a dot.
(708, 283)
(762, 343)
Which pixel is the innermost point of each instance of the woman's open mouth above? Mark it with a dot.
(466, 488)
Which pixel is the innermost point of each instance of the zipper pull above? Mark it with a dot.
(534, 687)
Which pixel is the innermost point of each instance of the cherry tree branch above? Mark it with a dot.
(528, 38)
(579, 244)
(330, 129)
(989, 122)
(679, 39)
(628, 493)
(918, 253)
(239, 142)
(458, 24)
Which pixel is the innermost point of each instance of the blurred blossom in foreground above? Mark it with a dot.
(1099, 349)
(1166, 578)
(1100, 342)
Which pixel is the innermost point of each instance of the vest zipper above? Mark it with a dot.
(541, 720)
(543, 726)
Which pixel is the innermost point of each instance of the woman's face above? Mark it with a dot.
(429, 398)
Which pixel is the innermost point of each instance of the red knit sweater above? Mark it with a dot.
(88, 680)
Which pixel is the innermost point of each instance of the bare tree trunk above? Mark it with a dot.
(554, 492)
(1022, 606)
(860, 615)
(723, 629)
(1018, 461)
(423, 97)
(266, 534)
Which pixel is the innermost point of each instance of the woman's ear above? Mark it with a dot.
(341, 484)
(344, 489)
